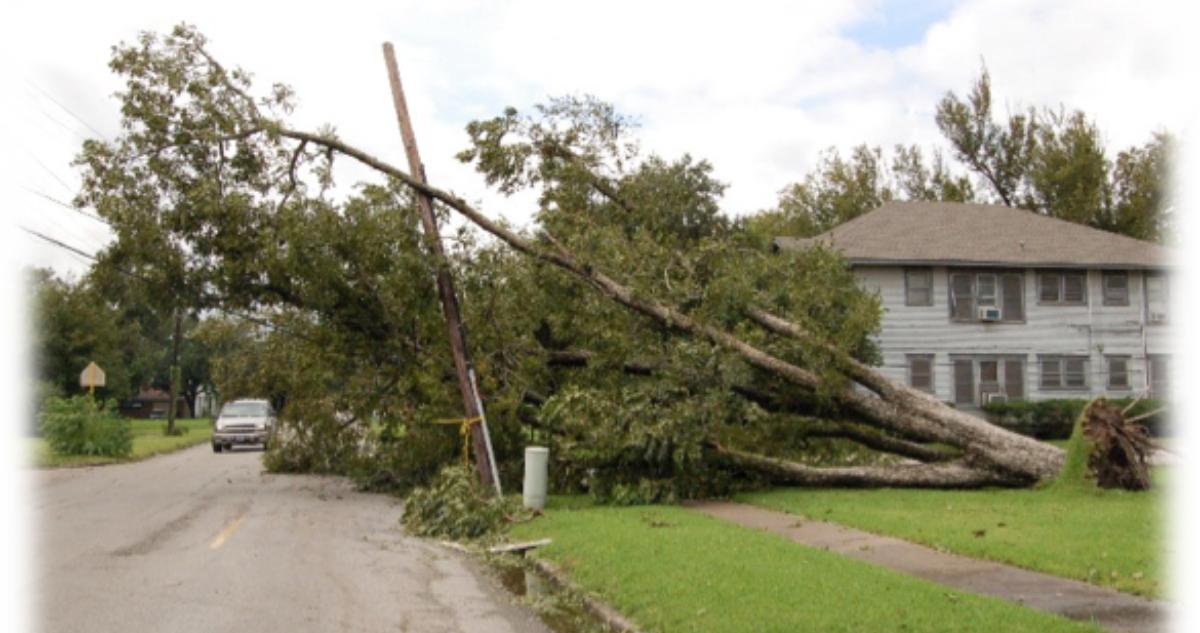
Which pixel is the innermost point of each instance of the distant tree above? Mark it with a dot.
(74, 326)
(1055, 163)
(144, 311)
(841, 189)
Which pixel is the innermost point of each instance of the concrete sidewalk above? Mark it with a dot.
(1073, 599)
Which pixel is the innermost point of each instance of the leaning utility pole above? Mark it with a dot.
(458, 338)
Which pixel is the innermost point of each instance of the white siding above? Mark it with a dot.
(1092, 330)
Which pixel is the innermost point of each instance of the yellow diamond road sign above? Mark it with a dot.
(92, 376)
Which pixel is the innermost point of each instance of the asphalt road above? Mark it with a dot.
(197, 541)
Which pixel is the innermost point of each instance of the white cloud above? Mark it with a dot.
(757, 88)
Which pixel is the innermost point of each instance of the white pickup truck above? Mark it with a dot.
(243, 422)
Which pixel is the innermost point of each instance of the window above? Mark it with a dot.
(1064, 372)
(985, 290)
(1116, 289)
(1062, 288)
(970, 291)
(1156, 299)
(1159, 377)
(1118, 372)
(978, 379)
(920, 372)
(918, 287)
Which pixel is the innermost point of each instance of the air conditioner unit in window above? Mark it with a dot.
(1157, 317)
(989, 314)
(994, 398)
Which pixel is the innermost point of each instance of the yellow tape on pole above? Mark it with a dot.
(465, 430)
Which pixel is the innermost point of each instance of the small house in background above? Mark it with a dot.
(986, 303)
(153, 404)
(207, 405)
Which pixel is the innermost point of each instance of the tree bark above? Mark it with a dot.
(953, 475)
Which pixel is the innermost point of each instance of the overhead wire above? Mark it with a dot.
(64, 109)
(55, 131)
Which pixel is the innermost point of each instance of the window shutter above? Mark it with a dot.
(1075, 372)
(962, 304)
(1014, 378)
(964, 382)
(1159, 381)
(1051, 374)
(920, 373)
(1156, 298)
(1118, 372)
(1012, 292)
(1048, 287)
(1073, 288)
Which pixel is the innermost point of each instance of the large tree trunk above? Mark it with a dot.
(953, 475)
(991, 453)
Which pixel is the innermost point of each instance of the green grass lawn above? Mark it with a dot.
(671, 569)
(148, 440)
(1113, 538)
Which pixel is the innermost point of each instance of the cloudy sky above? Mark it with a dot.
(756, 88)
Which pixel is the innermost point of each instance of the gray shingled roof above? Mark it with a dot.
(980, 234)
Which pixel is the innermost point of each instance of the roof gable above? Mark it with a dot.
(980, 234)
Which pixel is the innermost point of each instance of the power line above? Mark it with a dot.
(63, 108)
(64, 204)
(58, 243)
(47, 169)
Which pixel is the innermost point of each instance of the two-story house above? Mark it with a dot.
(985, 302)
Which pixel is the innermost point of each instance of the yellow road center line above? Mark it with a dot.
(226, 533)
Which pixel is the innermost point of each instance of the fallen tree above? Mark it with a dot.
(999, 456)
(194, 132)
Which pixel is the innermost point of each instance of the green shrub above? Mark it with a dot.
(1055, 419)
(40, 392)
(83, 426)
(456, 506)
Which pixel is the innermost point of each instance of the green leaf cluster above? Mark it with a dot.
(81, 425)
(457, 507)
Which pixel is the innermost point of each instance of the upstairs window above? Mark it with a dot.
(1062, 288)
(918, 287)
(1116, 289)
(987, 296)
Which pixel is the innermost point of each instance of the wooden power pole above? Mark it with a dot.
(458, 338)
